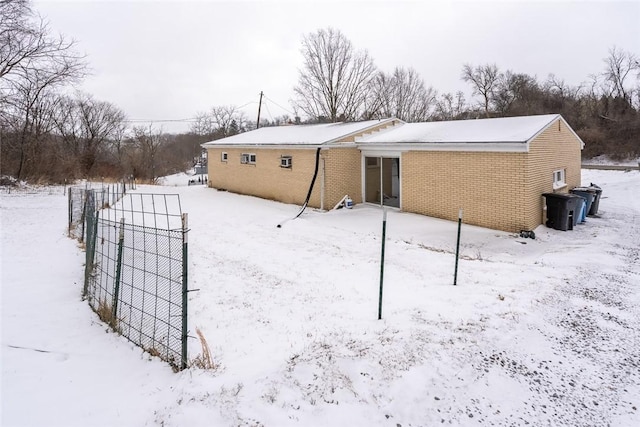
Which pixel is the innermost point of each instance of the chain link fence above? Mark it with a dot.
(104, 196)
(136, 269)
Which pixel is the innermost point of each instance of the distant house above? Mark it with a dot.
(496, 170)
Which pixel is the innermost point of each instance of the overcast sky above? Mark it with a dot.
(171, 59)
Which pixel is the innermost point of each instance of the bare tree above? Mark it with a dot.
(26, 45)
(29, 123)
(379, 99)
(483, 80)
(220, 122)
(516, 94)
(402, 95)
(334, 80)
(558, 86)
(32, 66)
(451, 106)
(147, 142)
(26, 100)
(619, 66)
(413, 100)
(88, 126)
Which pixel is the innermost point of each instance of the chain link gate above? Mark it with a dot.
(136, 275)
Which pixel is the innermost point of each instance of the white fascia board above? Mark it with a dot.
(267, 146)
(491, 147)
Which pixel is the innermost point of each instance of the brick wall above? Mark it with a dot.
(489, 187)
(555, 148)
(496, 190)
(266, 178)
(343, 175)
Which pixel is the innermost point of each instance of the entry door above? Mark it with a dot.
(382, 181)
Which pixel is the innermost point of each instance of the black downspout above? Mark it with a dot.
(313, 181)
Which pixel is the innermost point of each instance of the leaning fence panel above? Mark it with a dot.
(136, 274)
(150, 300)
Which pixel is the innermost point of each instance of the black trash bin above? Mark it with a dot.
(596, 199)
(561, 210)
(588, 194)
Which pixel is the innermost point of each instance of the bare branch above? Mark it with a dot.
(335, 79)
(483, 79)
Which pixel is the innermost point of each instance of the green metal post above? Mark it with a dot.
(70, 205)
(384, 232)
(84, 214)
(90, 254)
(455, 274)
(116, 289)
(185, 270)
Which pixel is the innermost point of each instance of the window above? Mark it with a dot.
(248, 158)
(224, 157)
(285, 162)
(559, 179)
(373, 162)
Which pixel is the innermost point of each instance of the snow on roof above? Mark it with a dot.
(296, 134)
(507, 129)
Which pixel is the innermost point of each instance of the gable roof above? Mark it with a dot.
(506, 129)
(501, 134)
(298, 134)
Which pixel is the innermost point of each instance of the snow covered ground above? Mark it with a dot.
(538, 332)
(606, 161)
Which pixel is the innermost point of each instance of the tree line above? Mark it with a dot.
(340, 83)
(51, 133)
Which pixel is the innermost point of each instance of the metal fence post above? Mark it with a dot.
(455, 273)
(116, 289)
(70, 206)
(384, 233)
(185, 270)
(90, 253)
(84, 214)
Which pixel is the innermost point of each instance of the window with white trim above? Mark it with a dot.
(559, 179)
(248, 158)
(286, 162)
(224, 156)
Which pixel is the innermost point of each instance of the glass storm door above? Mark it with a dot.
(382, 181)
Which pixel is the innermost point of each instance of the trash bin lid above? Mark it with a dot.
(563, 196)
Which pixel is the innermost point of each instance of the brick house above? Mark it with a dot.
(494, 169)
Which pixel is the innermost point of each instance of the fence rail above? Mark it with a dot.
(136, 274)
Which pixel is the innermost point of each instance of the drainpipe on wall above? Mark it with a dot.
(322, 184)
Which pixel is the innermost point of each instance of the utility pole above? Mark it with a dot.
(259, 107)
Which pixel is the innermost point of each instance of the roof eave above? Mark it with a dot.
(266, 146)
(499, 147)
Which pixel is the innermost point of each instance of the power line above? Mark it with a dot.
(285, 109)
(268, 111)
